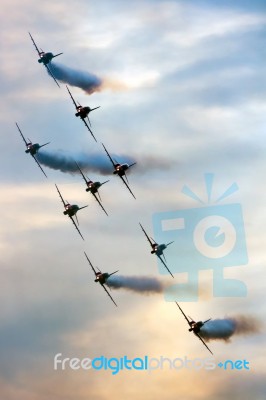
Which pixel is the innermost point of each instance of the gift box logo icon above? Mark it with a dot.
(211, 237)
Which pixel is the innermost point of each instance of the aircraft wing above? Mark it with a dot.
(110, 158)
(83, 176)
(165, 265)
(109, 295)
(169, 243)
(76, 226)
(51, 74)
(145, 233)
(183, 313)
(34, 44)
(89, 129)
(72, 98)
(22, 135)
(80, 208)
(200, 338)
(127, 186)
(63, 201)
(90, 264)
(45, 144)
(39, 165)
(100, 204)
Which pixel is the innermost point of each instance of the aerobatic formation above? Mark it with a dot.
(120, 167)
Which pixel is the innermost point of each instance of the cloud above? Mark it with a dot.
(205, 109)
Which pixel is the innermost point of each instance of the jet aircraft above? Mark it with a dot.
(101, 278)
(93, 187)
(71, 210)
(194, 326)
(45, 58)
(83, 113)
(157, 249)
(32, 148)
(120, 170)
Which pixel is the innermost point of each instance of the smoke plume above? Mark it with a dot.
(139, 284)
(87, 81)
(97, 162)
(64, 162)
(223, 329)
(90, 83)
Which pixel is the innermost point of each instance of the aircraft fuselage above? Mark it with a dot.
(71, 210)
(45, 58)
(120, 169)
(32, 148)
(101, 277)
(195, 326)
(82, 112)
(93, 187)
(158, 249)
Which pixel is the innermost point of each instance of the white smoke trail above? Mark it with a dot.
(139, 284)
(95, 162)
(87, 81)
(223, 329)
(90, 83)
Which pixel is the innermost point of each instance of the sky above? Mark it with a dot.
(183, 95)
